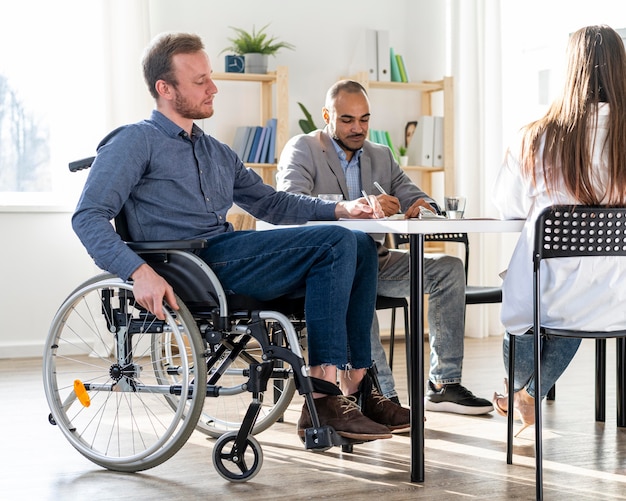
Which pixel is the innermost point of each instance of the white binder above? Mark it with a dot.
(438, 142)
(371, 54)
(420, 148)
(384, 66)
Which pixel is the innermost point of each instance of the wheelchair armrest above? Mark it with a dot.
(167, 245)
(83, 163)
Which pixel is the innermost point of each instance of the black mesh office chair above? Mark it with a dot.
(566, 232)
(393, 303)
(474, 294)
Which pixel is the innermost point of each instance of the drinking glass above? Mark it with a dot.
(455, 207)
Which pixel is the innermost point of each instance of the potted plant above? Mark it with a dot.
(306, 124)
(256, 47)
(403, 158)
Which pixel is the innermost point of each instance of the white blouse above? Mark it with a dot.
(603, 305)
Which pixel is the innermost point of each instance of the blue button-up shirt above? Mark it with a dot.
(173, 187)
(351, 169)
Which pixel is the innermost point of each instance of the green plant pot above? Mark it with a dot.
(256, 63)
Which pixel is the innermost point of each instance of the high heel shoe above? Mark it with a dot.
(524, 406)
(500, 402)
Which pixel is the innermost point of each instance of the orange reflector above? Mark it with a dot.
(81, 393)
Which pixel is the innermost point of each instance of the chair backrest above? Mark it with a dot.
(578, 230)
(398, 239)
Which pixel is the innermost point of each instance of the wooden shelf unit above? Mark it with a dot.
(427, 89)
(280, 80)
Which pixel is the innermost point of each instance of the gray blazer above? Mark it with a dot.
(309, 164)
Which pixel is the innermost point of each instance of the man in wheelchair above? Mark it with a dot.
(174, 182)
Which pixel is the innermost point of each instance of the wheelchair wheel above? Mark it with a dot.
(228, 365)
(103, 383)
(234, 464)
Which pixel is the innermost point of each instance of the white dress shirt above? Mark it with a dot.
(603, 305)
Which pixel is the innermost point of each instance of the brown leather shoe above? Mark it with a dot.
(343, 414)
(382, 410)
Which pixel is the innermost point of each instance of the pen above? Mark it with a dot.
(379, 188)
(369, 202)
(367, 197)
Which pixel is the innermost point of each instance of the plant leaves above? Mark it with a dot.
(256, 41)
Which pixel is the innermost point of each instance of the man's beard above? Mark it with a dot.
(343, 145)
(187, 110)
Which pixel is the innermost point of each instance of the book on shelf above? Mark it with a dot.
(382, 137)
(271, 154)
(259, 148)
(401, 68)
(239, 142)
(406, 71)
(249, 141)
(374, 136)
(393, 64)
(265, 146)
(389, 143)
(255, 144)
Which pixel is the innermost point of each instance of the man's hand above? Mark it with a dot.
(390, 204)
(150, 289)
(359, 209)
(414, 210)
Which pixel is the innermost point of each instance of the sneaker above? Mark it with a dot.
(382, 410)
(343, 414)
(455, 398)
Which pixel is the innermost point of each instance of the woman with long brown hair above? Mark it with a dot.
(574, 154)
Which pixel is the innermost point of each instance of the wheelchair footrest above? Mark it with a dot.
(319, 438)
(323, 438)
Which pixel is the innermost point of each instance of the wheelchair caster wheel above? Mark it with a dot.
(232, 464)
(51, 420)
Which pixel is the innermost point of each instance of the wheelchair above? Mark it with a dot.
(127, 389)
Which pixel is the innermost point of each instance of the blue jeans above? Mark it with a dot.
(555, 355)
(444, 281)
(334, 267)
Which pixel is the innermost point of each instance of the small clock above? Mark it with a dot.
(235, 64)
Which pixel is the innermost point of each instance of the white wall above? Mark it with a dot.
(42, 260)
(326, 34)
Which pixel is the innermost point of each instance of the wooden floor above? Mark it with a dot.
(465, 456)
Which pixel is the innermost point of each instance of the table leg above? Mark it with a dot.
(416, 340)
(620, 344)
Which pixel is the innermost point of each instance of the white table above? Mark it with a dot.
(416, 229)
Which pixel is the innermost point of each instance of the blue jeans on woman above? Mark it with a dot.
(555, 355)
(444, 282)
(335, 268)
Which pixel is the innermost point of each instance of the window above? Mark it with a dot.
(51, 105)
(534, 61)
